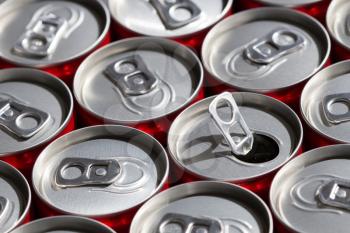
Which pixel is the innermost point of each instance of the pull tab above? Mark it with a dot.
(336, 98)
(79, 172)
(275, 45)
(4, 207)
(335, 194)
(179, 223)
(132, 76)
(239, 146)
(12, 113)
(169, 12)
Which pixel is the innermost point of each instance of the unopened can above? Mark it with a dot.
(35, 108)
(15, 198)
(66, 224)
(141, 82)
(204, 207)
(54, 35)
(315, 8)
(311, 193)
(269, 50)
(241, 138)
(186, 21)
(325, 105)
(102, 172)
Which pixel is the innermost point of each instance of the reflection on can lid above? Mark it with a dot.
(314, 188)
(38, 33)
(197, 144)
(174, 18)
(15, 197)
(211, 207)
(265, 50)
(138, 79)
(114, 167)
(289, 3)
(28, 120)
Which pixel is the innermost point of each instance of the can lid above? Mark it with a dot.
(27, 120)
(137, 80)
(175, 18)
(264, 50)
(289, 3)
(325, 102)
(197, 144)
(182, 209)
(15, 197)
(100, 171)
(41, 33)
(314, 188)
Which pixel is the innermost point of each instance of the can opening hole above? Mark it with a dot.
(180, 13)
(27, 121)
(172, 227)
(125, 67)
(72, 172)
(339, 107)
(225, 110)
(285, 38)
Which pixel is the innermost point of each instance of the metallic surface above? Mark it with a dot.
(289, 3)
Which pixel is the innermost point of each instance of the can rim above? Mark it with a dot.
(267, 2)
(250, 178)
(65, 122)
(82, 54)
(148, 39)
(157, 190)
(224, 12)
(267, 10)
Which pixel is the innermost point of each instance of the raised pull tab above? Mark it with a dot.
(13, 115)
(275, 45)
(329, 100)
(176, 13)
(239, 145)
(179, 223)
(79, 172)
(132, 76)
(4, 207)
(335, 194)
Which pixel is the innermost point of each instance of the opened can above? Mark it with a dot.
(141, 82)
(35, 108)
(15, 198)
(101, 172)
(311, 193)
(184, 21)
(54, 36)
(270, 50)
(241, 138)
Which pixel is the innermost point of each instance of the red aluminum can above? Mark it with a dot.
(184, 21)
(15, 198)
(140, 82)
(265, 51)
(102, 172)
(241, 138)
(35, 108)
(54, 36)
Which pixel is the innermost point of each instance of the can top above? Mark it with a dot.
(338, 22)
(175, 18)
(325, 102)
(226, 207)
(264, 50)
(15, 197)
(99, 171)
(197, 144)
(289, 3)
(27, 120)
(41, 33)
(137, 80)
(314, 188)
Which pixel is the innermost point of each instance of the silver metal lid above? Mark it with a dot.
(325, 102)
(211, 207)
(311, 193)
(40, 33)
(264, 50)
(289, 3)
(197, 143)
(64, 224)
(168, 18)
(15, 197)
(28, 120)
(99, 171)
(138, 79)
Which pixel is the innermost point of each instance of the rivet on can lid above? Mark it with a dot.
(335, 194)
